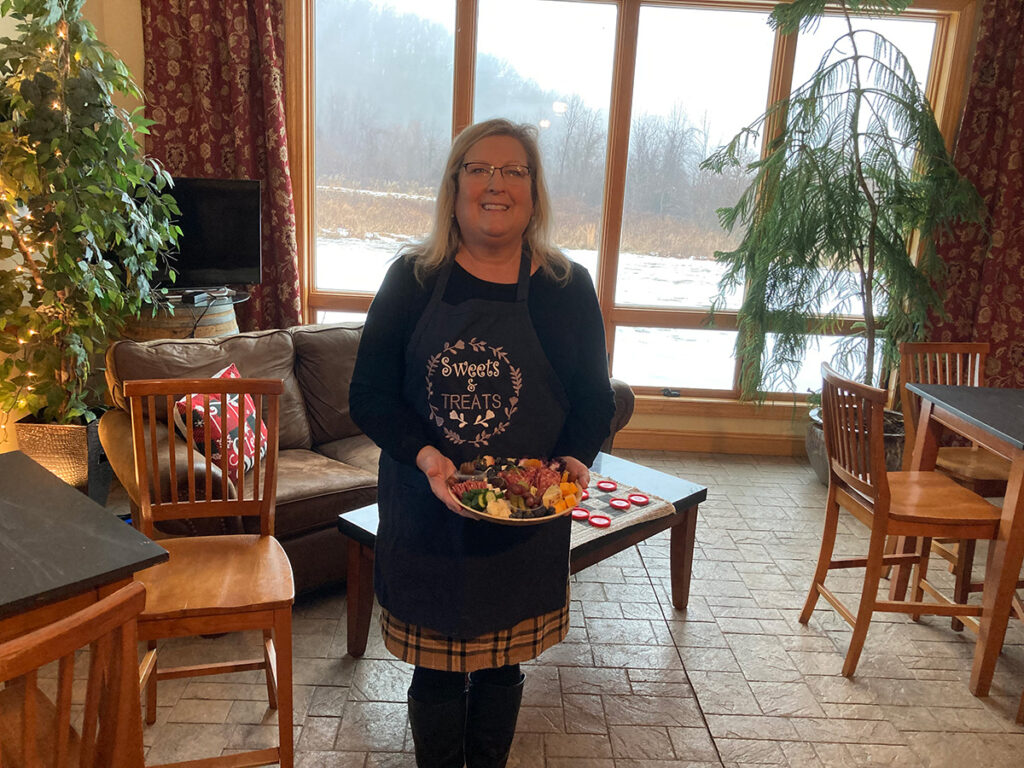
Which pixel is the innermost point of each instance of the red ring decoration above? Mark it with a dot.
(600, 521)
(619, 504)
(607, 485)
(639, 499)
(579, 513)
(584, 495)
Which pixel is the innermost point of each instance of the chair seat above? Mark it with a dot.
(934, 499)
(209, 575)
(972, 463)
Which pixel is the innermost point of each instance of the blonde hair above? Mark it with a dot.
(443, 241)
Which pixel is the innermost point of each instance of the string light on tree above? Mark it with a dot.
(60, 320)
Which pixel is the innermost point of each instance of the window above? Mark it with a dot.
(383, 127)
(689, 97)
(562, 84)
(628, 97)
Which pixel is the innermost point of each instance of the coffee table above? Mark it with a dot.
(360, 526)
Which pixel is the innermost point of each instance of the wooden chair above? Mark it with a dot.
(972, 466)
(37, 732)
(923, 505)
(213, 584)
(963, 365)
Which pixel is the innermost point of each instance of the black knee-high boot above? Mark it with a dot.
(491, 714)
(439, 731)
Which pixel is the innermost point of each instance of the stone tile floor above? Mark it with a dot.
(733, 681)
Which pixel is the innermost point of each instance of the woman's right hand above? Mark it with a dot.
(438, 468)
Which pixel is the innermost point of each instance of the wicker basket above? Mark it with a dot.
(71, 452)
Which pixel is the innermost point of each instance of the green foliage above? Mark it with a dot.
(858, 167)
(82, 215)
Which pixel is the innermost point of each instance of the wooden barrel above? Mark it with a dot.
(187, 322)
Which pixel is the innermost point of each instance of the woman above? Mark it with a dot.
(483, 339)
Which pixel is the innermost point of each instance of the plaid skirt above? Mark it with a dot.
(426, 648)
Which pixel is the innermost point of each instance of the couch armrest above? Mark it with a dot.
(116, 437)
(624, 402)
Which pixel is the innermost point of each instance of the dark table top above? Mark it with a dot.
(56, 542)
(682, 493)
(361, 524)
(996, 410)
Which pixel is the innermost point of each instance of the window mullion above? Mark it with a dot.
(619, 116)
(465, 64)
(780, 85)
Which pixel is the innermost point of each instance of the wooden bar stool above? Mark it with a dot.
(985, 473)
(923, 505)
(215, 584)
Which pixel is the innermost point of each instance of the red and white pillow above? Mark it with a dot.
(219, 419)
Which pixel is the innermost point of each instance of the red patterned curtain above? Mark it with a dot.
(986, 268)
(214, 84)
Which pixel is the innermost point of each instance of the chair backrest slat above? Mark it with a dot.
(30, 719)
(169, 406)
(224, 406)
(101, 650)
(926, 362)
(853, 418)
(190, 457)
(208, 451)
(161, 456)
(153, 446)
(65, 681)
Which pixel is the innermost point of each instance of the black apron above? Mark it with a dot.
(477, 375)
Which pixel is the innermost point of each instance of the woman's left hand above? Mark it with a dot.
(577, 470)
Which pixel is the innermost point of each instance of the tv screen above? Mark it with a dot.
(220, 233)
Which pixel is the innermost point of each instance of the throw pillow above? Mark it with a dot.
(220, 418)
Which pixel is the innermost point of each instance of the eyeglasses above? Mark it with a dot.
(483, 172)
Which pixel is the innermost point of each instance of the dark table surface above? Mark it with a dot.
(55, 542)
(996, 410)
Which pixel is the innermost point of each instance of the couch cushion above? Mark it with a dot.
(324, 358)
(312, 490)
(358, 451)
(259, 354)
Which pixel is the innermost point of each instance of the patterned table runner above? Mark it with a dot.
(583, 531)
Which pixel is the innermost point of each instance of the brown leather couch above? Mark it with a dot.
(326, 466)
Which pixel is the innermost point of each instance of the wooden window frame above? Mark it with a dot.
(947, 81)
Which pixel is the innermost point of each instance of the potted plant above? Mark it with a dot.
(83, 218)
(855, 170)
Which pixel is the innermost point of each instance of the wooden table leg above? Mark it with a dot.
(360, 596)
(1002, 571)
(681, 541)
(926, 448)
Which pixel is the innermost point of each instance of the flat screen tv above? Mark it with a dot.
(220, 233)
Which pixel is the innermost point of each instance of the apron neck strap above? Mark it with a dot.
(522, 283)
(442, 280)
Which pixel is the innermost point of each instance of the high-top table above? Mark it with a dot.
(360, 526)
(993, 418)
(59, 550)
